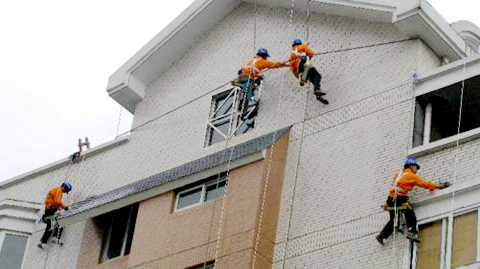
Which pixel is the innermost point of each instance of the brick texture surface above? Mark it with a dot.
(349, 151)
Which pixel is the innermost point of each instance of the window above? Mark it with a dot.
(208, 265)
(229, 117)
(12, 250)
(201, 192)
(437, 112)
(439, 246)
(119, 234)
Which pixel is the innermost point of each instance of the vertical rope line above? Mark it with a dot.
(255, 27)
(452, 209)
(409, 140)
(290, 209)
(119, 121)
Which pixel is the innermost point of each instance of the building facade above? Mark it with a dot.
(303, 182)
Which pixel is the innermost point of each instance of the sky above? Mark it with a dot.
(55, 60)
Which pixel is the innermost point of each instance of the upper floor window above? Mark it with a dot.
(201, 192)
(119, 232)
(437, 113)
(440, 247)
(12, 250)
(231, 113)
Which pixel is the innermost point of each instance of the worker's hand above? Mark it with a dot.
(443, 185)
(66, 208)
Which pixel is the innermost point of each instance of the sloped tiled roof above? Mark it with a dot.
(196, 166)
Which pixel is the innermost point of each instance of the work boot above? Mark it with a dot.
(41, 245)
(380, 239)
(413, 237)
(323, 100)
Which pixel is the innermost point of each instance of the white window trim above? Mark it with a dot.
(125, 238)
(438, 206)
(2, 238)
(444, 142)
(233, 116)
(203, 186)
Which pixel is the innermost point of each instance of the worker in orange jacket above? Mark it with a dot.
(301, 68)
(53, 203)
(249, 75)
(403, 182)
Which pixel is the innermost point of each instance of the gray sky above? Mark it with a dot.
(55, 60)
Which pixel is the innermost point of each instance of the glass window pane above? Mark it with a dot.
(189, 198)
(223, 108)
(429, 250)
(215, 137)
(213, 192)
(208, 265)
(12, 252)
(131, 228)
(117, 233)
(464, 244)
(246, 126)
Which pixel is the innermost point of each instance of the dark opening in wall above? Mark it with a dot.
(444, 105)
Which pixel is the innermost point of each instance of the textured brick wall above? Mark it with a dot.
(167, 239)
(350, 148)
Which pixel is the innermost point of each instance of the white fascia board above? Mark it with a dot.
(127, 84)
(447, 75)
(375, 11)
(114, 205)
(434, 30)
(64, 161)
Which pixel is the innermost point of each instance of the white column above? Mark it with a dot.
(427, 124)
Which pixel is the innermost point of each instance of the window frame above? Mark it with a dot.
(25, 252)
(106, 245)
(203, 185)
(233, 117)
(447, 236)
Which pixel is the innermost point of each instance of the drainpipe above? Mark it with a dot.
(427, 124)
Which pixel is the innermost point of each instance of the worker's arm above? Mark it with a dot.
(57, 198)
(426, 184)
(270, 65)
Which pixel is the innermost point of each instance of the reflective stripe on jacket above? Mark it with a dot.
(54, 198)
(405, 180)
(296, 56)
(252, 68)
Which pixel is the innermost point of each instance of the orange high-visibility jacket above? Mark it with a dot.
(54, 198)
(407, 181)
(295, 57)
(252, 68)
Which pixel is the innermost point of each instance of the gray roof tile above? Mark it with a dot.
(207, 162)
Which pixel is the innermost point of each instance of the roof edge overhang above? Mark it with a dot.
(424, 22)
(63, 162)
(18, 215)
(141, 196)
(447, 75)
(127, 84)
(415, 18)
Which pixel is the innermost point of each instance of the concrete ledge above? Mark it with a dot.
(445, 143)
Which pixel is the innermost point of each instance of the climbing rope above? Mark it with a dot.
(270, 158)
(119, 121)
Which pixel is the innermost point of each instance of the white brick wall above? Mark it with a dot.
(351, 148)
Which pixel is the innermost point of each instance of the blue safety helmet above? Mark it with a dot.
(296, 42)
(411, 161)
(263, 52)
(67, 187)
